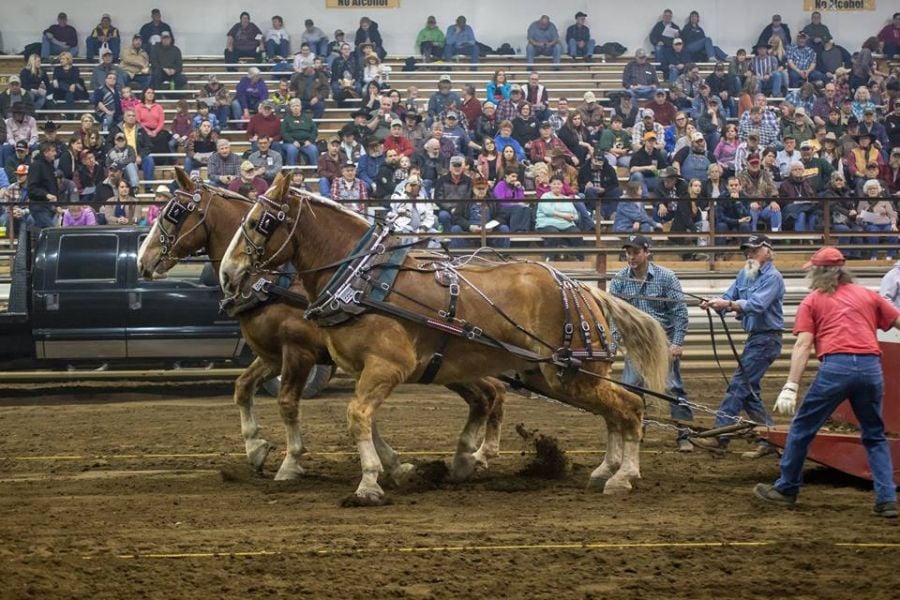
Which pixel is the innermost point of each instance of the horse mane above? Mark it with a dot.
(226, 193)
(314, 198)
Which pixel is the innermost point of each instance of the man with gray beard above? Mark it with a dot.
(756, 298)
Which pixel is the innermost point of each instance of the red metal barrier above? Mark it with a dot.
(844, 451)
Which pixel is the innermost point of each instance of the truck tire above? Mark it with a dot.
(318, 378)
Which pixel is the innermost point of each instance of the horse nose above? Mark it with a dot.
(225, 279)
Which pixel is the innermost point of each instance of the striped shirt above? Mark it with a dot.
(763, 65)
(670, 310)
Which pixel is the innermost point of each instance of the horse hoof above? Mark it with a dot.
(364, 499)
(481, 461)
(289, 472)
(596, 484)
(403, 473)
(616, 489)
(257, 451)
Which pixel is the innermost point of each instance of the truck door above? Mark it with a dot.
(178, 317)
(80, 308)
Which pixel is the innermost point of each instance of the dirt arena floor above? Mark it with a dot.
(126, 497)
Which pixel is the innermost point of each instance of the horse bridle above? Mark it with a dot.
(174, 213)
(274, 216)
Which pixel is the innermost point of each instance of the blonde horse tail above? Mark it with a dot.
(643, 338)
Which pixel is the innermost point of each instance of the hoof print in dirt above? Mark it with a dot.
(238, 473)
(434, 473)
(354, 501)
(549, 460)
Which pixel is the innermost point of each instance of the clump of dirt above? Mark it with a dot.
(549, 460)
(840, 427)
(236, 474)
(354, 501)
(434, 472)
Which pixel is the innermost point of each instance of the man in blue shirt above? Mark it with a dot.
(460, 39)
(801, 63)
(757, 299)
(656, 291)
(543, 40)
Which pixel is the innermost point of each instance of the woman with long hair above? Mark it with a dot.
(676, 130)
(68, 85)
(576, 137)
(150, 114)
(508, 163)
(35, 81)
(498, 87)
(486, 163)
(119, 209)
(372, 97)
(525, 126)
(727, 148)
(776, 49)
(745, 98)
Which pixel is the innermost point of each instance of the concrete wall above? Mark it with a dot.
(200, 26)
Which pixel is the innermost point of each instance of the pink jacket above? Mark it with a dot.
(151, 117)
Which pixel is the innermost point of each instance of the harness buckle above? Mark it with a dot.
(474, 333)
(569, 329)
(379, 249)
(454, 289)
(262, 285)
(348, 296)
(585, 327)
(385, 286)
(443, 314)
(281, 215)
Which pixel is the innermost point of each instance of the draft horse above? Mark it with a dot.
(516, 304)
(201, 217)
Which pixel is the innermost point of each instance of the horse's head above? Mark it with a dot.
(265, 240)
(178, 232)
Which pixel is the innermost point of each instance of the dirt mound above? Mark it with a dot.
(549, 460)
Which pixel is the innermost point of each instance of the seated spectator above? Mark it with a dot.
(498, 87)
(149, 114)
(546, 142)
(88, 176)
(124, 158)
(761, 124)
(537, 95)
(373, 71)
(469, 108)
(414, 130)
(770, 75)
(874, 128)
(525, 127)
(120, 208)
(251, 90)
(201, 144)
(488, 158)
(182, 125)
(578, 38)
(59, 38)
(370, 163)
(615, 142)
(558, 117)
(166, 65)
(456, 133)
(430, 41)
(346, 76)
(329, 165)
(460, 39)
(639, 77)
(33, 87)
(691, 162)
(889, 36)
(662, 35)
(508, 109)
(223, 165)
(801, 63)
(508, 162)
(669, 188)
(127, 99)
(151, 32)
(864, 154)
(843, 213)
(243, 40)
(299, 134)
(688, 215)
(732, 212)
(467, 217)
(349, 190)
(645, 125)
(417, 216)
(647, 161)
(663, 111)
(625, 106)
(20, 156)
(557, 214)
(431, 163)
(135, 63)
(878, 215)
(312, 88)
(139, 140)
(679, 60)
(368, 34)
(68, 86)
(104, 35)
(106, 66)
(800, 126)
(512, 211)
(267, 160)
(443, 99)
(504, 138)
(316, 38)
(305, 58)
(78, 215)
(576, 137)
(775, 29)
(265, 122)
(278, 40)
(107, 103)
(800, 215)
(453, 186)
(725, 88)
(543, 40)
(756, 181)
(600, 180)
(726, 150)
(863, 66)
(249, 176)
(817, 171)
(631, 217)
(698, 43)
(834, 58)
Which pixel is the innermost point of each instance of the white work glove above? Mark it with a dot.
(787, 399)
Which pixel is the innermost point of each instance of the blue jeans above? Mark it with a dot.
(804, 216)
(451, 50)
(325, 187)
(795, 79)
(856, 377)
(555, 51)
(318, 109)
(891, 241)
(642, 92)
(148, 166)
(847, 241)
(292, 152)
(587, 51)
(138, 82)
(92, 45)
(772, 217)
(674, 387)
(705, 45)
(49, 47)
(775, 86)
(743, 392)
(282, 49)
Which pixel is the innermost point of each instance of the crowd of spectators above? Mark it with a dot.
(760, 138)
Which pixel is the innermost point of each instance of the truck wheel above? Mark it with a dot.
(318, 378)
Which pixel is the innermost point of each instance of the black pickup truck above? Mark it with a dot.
(76, 300)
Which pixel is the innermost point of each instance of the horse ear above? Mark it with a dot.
(284, 186)
(184, 181)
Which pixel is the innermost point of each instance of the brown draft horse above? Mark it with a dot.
(284, 341)
(382, 351)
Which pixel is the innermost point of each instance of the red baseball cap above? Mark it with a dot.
(827, 256)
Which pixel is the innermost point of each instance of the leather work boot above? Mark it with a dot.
(888, 510)
(767, 492)
(761, 451)
(710, 445)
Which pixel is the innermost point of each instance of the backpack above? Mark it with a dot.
(611, 49)
(506, 50)
(409, 64)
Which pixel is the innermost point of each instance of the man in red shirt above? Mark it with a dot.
(840, 318)
(397, 142)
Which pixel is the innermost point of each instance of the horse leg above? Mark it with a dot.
(479, 404)
(627, 413)
(399, 472)
(295, 369)
(256, 447)
(376, 381)
(611, 461)
(490, 446)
